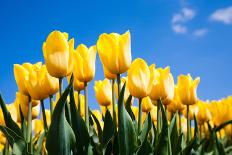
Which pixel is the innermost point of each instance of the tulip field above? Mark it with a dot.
(141, 109)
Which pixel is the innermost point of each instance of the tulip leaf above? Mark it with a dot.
(162, 144)
(79, 127)
(128, 107)
(19, 147)
(116, 144)
(146, 128)
(126, 131)
(218, 128)
(108, 130)
(8, 120)
(40, 142)
(60, 137)
(174, 134)
(145, 148)
(99, 129)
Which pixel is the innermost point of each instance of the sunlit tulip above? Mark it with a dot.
(13, 112)
(135, 111)
(103, 92)
(147, 104)
(188, 89)
(161, 84)
(82, 103)
(98, 114)
(84, 68)
(57, 54)
(2, 139)
(203, 114)
(153, 112)
(138, 78)
(38, 126)
(21, 75)
(115, 51)
(108, 75)
(176, 104)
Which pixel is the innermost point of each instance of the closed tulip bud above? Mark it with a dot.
(57, 55)
(78, 85)
(84, 68)
(126, 93)
(109, 75)
(103, 92)
(176, 104)
(138, 78)
(153, 112)
(21, 75)
(188, 89)
(161, 84)
(146, 104)
(115, 51)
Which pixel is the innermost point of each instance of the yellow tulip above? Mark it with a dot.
(40, 84)
(84, 68)
(34, 112)
(127, 92)
(2, 138)
(103, 109)
(161, 84)
(21, 75)
(103, 92)
(57, 54)
(38, 126)
(153, 112)
(203, 114)
(13, 112)
(193, 110)
(147, 104)
(115, 51)
(78, 85)
(109, 75)
(98, 114)
(188, 89)
(138, 78)
(135, 111)
(176, 104)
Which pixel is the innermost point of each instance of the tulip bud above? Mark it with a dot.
(115, 51)
(188, 89)
(147, 104)
(103, 92)
(21, 74)
(84, 68)
(56, 54)
(161, 84)
(203, 114)
(138, 78)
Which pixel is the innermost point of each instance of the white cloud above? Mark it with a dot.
(178, 28)
(200, 32)
(179, 20)
(223, 15)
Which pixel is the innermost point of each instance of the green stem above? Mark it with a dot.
(79, 101)
(140, 116)
(179, 115)
(60, 86)
(29, 128)
(51, 104)
(86, 106)
(119, 84)
(158, 117)
(114, 106)
(44, 116)
(188, 125)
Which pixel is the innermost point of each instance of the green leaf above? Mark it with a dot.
(128, 107)
(218, 128)
(126, 131)
(79, 127)
(60, 137)
(40, 142)
(108, 130)
(99, 129)
(162, 145)
(146, 128)
(8, 120)
(174, 134)
(19, 147)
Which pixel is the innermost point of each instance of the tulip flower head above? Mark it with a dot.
(115, 51)
(147, 104)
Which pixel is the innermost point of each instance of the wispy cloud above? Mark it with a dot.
(223, 15)
(200, 32)
(179, 20)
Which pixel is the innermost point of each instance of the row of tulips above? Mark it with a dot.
(169, 118)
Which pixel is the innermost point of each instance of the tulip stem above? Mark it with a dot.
(29, 127)
(179, 115)
(51, 104)
(114, 106)
(79, 102)
(188, 125)
(60, 86)
(140, 116)
(86, 106)
(158, 117)
(44, 116)
(119, 84)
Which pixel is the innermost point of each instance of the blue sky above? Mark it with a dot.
(191, 36)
